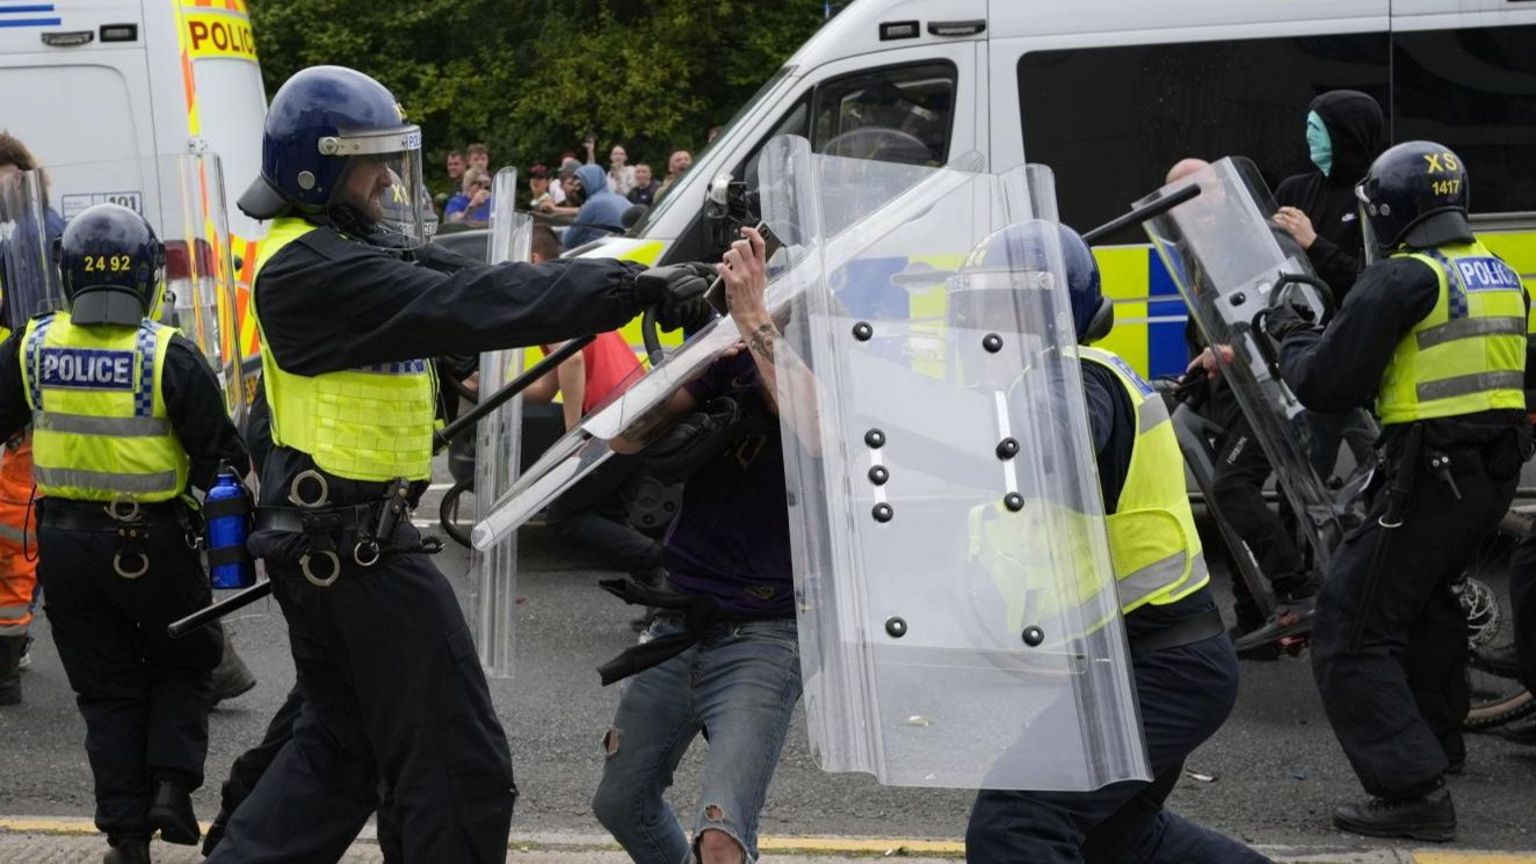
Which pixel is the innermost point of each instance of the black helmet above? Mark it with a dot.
(325, 124)
(1027, 246)
(112, 266)
(1415, 194)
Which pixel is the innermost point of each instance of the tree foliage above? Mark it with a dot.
(531, 77)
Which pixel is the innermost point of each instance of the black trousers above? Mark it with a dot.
(248, 769)
(394, 699)
(144, 696)
(592, 515)
(1241, 469)
(1397, 698)
(1185, 694)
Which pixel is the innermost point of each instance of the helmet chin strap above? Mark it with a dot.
(349, 220)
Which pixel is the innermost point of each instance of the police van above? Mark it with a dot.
(103, 91)
(1110, 93)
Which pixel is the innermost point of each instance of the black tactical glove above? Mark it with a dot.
(1285, 319)
(677, 292)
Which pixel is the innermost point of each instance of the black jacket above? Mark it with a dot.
(1356, 127)
(1340, 368)
(328, 303)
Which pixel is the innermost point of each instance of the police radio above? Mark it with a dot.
(227, 516)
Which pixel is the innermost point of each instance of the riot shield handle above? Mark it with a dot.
(1287, 281)
(1279, 294)
(1139, 215)
(651, 334)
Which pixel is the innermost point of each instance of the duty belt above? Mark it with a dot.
(1186, 632)
(132, 521)
(699, 613)
(371, 527)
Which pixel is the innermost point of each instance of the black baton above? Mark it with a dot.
(210, 614)
(1142, 214)
(517, 385)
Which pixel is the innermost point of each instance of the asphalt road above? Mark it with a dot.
(1272, 774)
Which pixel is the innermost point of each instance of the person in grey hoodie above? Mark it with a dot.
(601, 210)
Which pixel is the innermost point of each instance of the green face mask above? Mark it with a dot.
(1319, 144)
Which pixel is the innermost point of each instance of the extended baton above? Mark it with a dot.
(1139, 215)
(210, 614)
(517, 385)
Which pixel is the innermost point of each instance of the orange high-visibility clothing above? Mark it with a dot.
(18, 538)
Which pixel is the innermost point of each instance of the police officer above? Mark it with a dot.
(1186, 671)
(127, 419)
(394, 696)
(1434, 332)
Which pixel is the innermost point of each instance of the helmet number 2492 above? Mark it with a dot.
(108, 263)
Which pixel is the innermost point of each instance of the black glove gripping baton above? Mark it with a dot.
(467, 421)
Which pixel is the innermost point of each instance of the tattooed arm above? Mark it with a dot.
(745, 272)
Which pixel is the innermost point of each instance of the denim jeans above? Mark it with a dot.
(739, 687)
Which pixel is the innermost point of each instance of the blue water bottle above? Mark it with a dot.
(227, 514)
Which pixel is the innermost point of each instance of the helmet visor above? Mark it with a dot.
(381, 188)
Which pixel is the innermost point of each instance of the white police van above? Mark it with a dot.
(1110, 93)
(100, 89)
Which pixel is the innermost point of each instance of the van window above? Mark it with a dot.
(898, 114)
(46, 106)
(1473, 90)
(1111, 121)
(792, 123)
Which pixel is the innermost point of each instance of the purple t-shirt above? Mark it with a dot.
(730, 540)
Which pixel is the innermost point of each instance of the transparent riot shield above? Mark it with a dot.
(958, 618)
(959, 622)
(29, 277)
(629, 413)
(182, 198)
(1230, 263)
(492, 584)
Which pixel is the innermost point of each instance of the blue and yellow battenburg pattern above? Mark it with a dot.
(1149, 313)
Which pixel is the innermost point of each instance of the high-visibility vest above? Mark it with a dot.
(373, 423)
(1152, 537)
(1466, 355)
(100, 430)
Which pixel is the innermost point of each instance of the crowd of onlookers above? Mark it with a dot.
(590, 200)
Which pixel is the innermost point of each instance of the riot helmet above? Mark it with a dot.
(1414, 195)
(113, 267)
(337, 150)
(1026, 249)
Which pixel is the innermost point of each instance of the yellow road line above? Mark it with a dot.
(1472, 858)
(813, 845)
(864, 845)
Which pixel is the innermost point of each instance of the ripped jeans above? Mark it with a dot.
(739, 687)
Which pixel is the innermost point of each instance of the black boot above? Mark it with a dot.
(172, 814)
(127, 850)
(1428, 817)
(215, 834)
(11, 648)
(231, 677)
